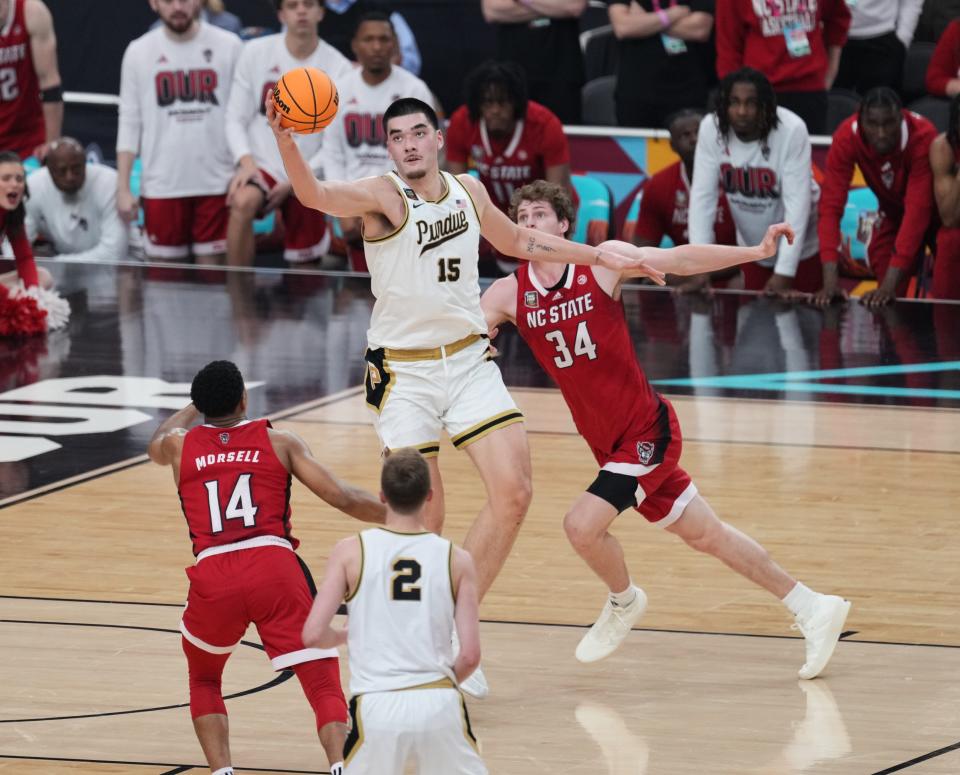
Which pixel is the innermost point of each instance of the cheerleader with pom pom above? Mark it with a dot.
(28, 305)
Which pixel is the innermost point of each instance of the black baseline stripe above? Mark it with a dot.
(286, 675)
(486, 427)
(919, 759)
(123, 465)
(154, 764)
(846, 636)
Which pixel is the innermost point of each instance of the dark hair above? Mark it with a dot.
(768, 104)
(408, 106)
(953, 125)
(405, 480)
(14, 221)
(504, 75)
(681, 114)
(374, 16)
(880, 97)
(553, 194)
(279, 4)
(217, 389)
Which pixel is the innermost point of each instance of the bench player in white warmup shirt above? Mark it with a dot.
(174, 88)
(260, 184)
(407, 590)
(428, 366)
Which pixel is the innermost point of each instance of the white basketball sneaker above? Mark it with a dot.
(608, 632)
(821, 625)
(476, 684)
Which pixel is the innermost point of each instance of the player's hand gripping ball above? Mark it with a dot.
(306, 100)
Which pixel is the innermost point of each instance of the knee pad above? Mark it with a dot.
(320, 679)
(206, 673)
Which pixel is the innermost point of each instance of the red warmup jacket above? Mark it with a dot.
(902, 181)
(747, 38)
(945, 63)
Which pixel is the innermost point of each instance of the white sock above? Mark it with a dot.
(336, 769)
(223, 771)
(624, 598)
(799, 598)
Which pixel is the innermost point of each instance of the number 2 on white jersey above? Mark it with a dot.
(582, 345)
(240, 505)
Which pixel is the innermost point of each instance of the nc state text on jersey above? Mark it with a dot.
(238, 456)
(565, 310)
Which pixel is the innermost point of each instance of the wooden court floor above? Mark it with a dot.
(858, 500)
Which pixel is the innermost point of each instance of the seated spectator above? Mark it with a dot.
(508, 139)
(214, 12)
(881, 31)
(544, 39)
(798, 50)
(665, 201)
(945, 164)
(660, 68)
(355, 145)
(760, 156)
(943, 72)
(260, 183)
(891, 147)
(73, 206)
(342, 18)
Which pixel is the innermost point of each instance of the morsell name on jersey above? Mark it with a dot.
(438, 232)
(565, 310)
(240, 456)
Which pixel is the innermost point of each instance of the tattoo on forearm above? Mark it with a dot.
(546, 248)
(531, 243)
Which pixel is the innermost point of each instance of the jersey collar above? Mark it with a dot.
(568, 272)
(11, 15)
(511, 146)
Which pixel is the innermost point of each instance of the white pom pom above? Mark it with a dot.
(57, 307)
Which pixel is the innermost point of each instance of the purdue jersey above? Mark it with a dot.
(401, 613)
(424, 275)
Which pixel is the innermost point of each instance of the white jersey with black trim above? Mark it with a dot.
(401, 613)
(425, 275)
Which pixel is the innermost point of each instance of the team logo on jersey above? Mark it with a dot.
(645, 450)
(531, 299)
(224, 438)
(582, 280)
(451, 225)
(411, 194)
(887, 174)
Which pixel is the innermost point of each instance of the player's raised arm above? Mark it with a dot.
(356, 502)
(342, 199)
(167, 440)
(697, 259)
(530, 245)
(317, 632)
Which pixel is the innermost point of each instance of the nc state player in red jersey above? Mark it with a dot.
(573, 321)
(233, 476)
(31, 97)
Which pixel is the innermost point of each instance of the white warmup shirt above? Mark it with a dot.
(761, 190)
(401, 613)
(425, 275)
(355, 142)
(173, 104)
(84, 226)
(873, 18)
(262, 63)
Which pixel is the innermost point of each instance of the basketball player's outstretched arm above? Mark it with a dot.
(356, 502)
(499, 303)
(530, 245)
(342, 199)
(697, 259)
(167, 440)
(466, 614)
(341, 576)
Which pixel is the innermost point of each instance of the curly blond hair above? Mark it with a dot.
(553, 194)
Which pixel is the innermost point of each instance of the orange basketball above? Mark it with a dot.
(306, 100)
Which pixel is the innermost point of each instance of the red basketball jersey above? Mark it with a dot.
(579, 335)
(21, 111)
(233, 486)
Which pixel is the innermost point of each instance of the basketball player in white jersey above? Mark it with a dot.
(428, 365)
(406, 590)
(260, 184)
(174, 88)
